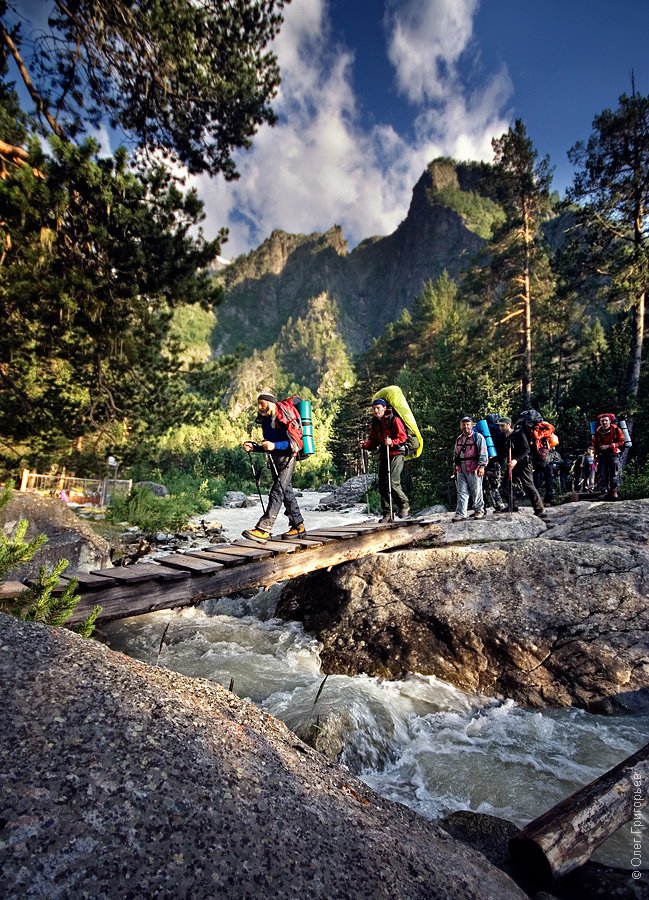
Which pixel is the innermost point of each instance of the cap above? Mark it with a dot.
(379, 402)
(504, 420)
(466, 419)
(271, 398)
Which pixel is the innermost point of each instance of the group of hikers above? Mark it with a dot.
(495, 461)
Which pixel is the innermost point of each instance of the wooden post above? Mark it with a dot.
(566, 836)
(25, 480)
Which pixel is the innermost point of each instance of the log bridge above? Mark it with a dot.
(184, 579)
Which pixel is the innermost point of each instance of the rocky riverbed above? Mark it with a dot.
(550, 613)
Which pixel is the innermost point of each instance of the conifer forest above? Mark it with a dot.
(112, 305)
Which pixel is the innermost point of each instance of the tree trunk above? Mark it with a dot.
(566, 836)
(526, 380)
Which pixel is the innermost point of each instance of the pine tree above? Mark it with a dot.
(524, 194)
(612, 184)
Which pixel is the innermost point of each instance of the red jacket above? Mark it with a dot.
(387, 426)
(608, 441)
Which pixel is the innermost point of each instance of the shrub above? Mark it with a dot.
(40, 603)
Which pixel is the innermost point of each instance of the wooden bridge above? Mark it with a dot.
(184, 579)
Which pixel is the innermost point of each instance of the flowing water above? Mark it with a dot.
(421, 741)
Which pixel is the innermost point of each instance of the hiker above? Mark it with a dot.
(387, 430)
(590, 469)
(608, 444)
(470, 456)
(519, 469)
(282, 431)
(540, 441)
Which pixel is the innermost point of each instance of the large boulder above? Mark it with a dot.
(123, 780)
(544, 621)
(68, 537)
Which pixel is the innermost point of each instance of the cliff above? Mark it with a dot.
(370, 286)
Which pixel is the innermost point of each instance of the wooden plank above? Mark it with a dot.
(190, 564)
(90, 582)
(228, 559)
(136, 573)
(247, 552)
(126, 600)
(333, 535)
(9, 590)
(273, 546)
(321, 538)
(303, 541)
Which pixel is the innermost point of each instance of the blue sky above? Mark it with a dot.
(374, 89)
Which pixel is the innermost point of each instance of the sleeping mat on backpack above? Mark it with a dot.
(396, 398)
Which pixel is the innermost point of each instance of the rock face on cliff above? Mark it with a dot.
(560, 618)
(370, 286)
(124, 780)
(67, 536)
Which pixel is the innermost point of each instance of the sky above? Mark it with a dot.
(373, 90)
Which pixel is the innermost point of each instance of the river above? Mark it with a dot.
(421, 742)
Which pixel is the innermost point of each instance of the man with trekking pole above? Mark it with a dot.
(517, 462)
(281, 430)
(389, 436)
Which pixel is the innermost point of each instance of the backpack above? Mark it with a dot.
(287, 413)
(394, 396)
(542, 440)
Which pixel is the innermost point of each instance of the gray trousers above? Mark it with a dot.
(396, 468)
(281, 492)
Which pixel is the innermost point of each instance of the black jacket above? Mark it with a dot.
(517, 440)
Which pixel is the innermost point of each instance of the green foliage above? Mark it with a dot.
(41, 602)
(152, 513)
(96, 258)
(190, 80)
(15, 551)
(479, 214)
(611, 184)
(635, 483)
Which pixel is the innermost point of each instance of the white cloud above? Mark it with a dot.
(319, 166)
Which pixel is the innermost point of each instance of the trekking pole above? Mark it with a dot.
(387, 450)
(511, 480)
(255, 475)
(273, 467)
(364, 471)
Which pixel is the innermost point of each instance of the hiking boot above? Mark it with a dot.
(256, 534)
(403, 512)
(294, 531)
(479, 514)
(458, 519)
(385, 518)
(541, 513)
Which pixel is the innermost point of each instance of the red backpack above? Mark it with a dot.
(287, 414)
(543, 439)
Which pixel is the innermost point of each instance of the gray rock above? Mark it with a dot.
(353, 491)
(158, 489)
(68, 537)
(121, 779)
(235, 500)
(543, 621)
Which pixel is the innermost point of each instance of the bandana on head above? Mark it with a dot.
(270, 398)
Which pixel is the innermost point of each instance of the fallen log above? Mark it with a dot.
(566, 836)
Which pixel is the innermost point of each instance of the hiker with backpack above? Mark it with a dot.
(542, 440)
(517, 466)
(388, 435)
(470, 457)
(282, 432)
(608, 443)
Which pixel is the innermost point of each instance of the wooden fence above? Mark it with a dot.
(95, 491)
